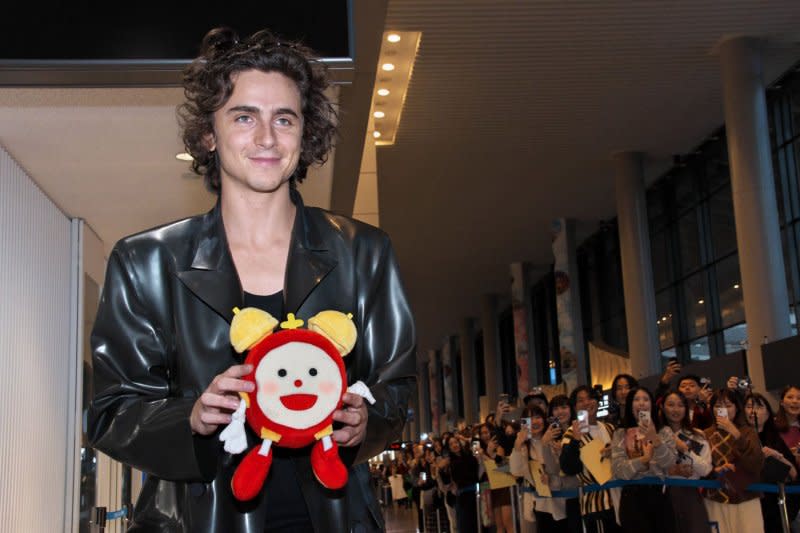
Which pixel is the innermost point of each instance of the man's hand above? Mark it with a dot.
(672, 370)
(354, 417)
(214, 407)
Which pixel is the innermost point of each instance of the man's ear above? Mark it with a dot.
(210, 141)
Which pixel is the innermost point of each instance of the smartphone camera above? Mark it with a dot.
(744, 383)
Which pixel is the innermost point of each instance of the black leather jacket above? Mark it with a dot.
(161, 335)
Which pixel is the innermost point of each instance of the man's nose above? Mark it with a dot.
(264, 135)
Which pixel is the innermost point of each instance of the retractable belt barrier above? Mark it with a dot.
(665, 482)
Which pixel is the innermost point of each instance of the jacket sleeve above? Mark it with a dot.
(621, 466)
(664, 456)
(388, 341)
(751, 458)
(701, 464)
(570, 460)
(518, 465)
(133, 414)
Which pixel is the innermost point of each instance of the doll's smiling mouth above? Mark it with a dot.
(299, 402)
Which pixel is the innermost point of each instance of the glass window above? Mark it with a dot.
(685, 193)
(664, 308)
(699, 349)
(735, 338)
(689, 242)
(723, 223)
(729, 288)
(695, 302)
(658, 253)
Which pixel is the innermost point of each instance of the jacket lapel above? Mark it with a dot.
(309, 261)
(212, 276)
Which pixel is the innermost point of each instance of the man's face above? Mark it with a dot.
(584, 402)
(258, 133)
(689, 388)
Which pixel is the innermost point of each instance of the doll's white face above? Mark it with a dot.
(298, 385)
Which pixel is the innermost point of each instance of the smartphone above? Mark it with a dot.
(721, 412)
(476, 447)
(423, 476)
(694, 446)
(583, 421)
(525, 422)
(644, 418)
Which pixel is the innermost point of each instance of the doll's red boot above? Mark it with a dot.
(250, 474)
(327, 466)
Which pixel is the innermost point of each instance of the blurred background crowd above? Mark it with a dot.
(514, 471)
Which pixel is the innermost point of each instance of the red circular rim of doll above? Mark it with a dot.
(290, 437)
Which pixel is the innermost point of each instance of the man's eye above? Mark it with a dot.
(283, 121)
(243, 118)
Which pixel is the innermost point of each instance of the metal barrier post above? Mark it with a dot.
(478, 505)
(515, 508)
(782, 507)
(438, 521)
(98, 519)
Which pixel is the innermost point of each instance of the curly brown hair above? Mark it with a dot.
(208, 84)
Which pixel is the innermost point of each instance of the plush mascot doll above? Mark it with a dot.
(299, 382)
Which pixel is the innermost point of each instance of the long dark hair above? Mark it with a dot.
(769, 426)
(686, 422)
(629, 421)
(781, 419)
(732, 396)
(632, 383)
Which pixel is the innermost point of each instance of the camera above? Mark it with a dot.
(705, 382)
(744, 383)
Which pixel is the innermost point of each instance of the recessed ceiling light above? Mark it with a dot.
(376, 134)
(379, 114)
(701, 301)
(383, 92)
(183, 156)
(388, 67)
(736, 286)
(393, 38)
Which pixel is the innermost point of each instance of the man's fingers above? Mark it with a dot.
(350, 418)
(219, 401)
(238, 371)
(352, 400)
(210, 418)
(226, 384)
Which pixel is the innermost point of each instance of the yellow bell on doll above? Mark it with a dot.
(337, 327)
(249, 326)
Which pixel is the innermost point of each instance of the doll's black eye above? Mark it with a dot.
(313, 371)
(282, 373)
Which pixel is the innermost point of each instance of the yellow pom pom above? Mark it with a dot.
(250, 325)
(336, 327)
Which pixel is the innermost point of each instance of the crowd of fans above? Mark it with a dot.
(690, 431)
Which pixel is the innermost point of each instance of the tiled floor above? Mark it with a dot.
(400, 520)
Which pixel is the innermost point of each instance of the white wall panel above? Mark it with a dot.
(35, 354)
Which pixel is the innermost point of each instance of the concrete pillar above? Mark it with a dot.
(423, 397)
(450, 400)
(637, 268)
(469, 388)
(568, 304)
(434, 382)
(491, 349)
(521, 314)
(766, 303)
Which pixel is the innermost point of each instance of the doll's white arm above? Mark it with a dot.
(234, 436)
(362, 390)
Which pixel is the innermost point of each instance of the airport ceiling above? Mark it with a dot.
(513, 110)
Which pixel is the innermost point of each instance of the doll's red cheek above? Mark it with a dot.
(328, 387)
(270, 387)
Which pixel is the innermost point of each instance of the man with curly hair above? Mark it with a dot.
(166, 379)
